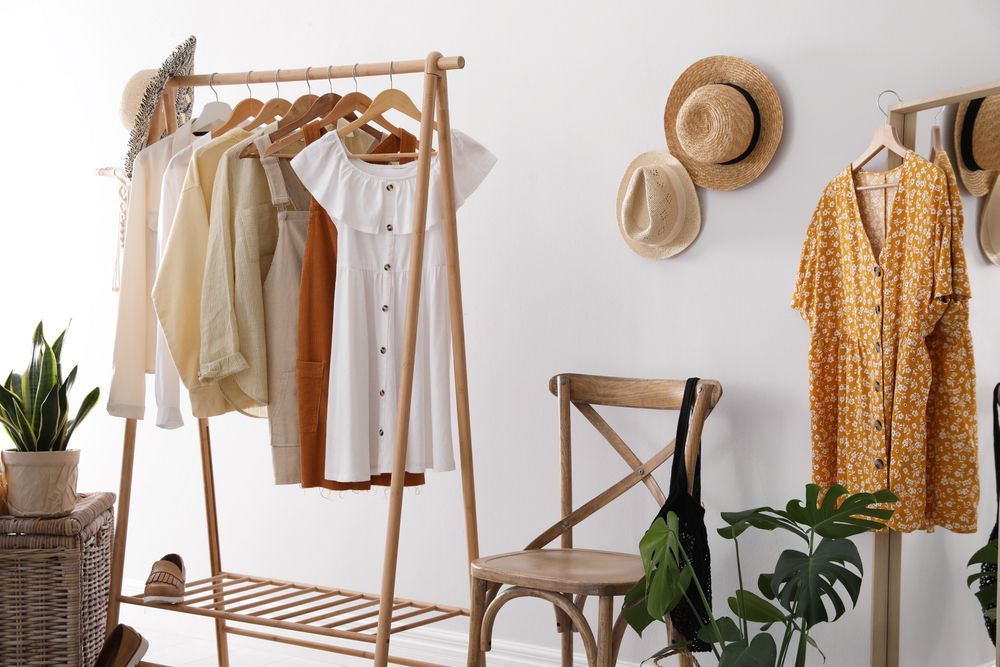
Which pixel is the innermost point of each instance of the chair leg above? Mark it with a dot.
(567, 644)
(476, 657)
(605, 618)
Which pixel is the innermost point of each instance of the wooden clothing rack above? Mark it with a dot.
(333, 613)
(887, 580)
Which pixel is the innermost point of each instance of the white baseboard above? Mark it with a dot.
(445, 647)
(449, 648)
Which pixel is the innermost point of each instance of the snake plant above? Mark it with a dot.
(34, 406)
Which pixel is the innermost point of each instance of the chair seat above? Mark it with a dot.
(579, 571)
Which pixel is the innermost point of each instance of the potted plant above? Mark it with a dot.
(40, 473)
(804, 589)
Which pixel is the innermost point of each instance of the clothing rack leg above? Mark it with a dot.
(887, 556)
(121, 526)
(457, 319)
(885, 599)
(215, 561)
(406, 368)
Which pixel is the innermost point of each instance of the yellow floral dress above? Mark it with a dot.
(883, 286)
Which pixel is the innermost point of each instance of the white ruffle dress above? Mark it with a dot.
(372, 206)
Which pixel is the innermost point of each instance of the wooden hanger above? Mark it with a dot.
(302, 104)
(345, 107)
(293, 121)
(936, 145)
(392, 98)
(884, 138)
(212, 114)
(353, 103)
(244, 110)
(289, 124)
(273, 108)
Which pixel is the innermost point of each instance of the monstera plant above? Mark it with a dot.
(809, 585)
(40, 473)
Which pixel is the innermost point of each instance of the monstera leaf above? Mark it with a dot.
(805, 583)
(839, 514)
(760, 652)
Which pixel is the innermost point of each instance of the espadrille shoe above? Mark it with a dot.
(166, 581)
(124, 647)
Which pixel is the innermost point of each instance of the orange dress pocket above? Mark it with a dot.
(309, 381)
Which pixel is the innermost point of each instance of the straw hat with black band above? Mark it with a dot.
(977, 143)
(142, 93)
(723, 121)
(658, 212)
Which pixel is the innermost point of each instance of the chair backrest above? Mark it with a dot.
(584, 392)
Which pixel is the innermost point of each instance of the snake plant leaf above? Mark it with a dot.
(8, 399)
(13, 431)
(760, 652)
(17, 415)
(750, 606)
(15, 383)
(49, 422)
(89, 401)
(805, 584)
(57, 345)
(839, 514)
(728, 631)
(41, 377)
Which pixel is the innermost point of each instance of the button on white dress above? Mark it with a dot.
(372, 206)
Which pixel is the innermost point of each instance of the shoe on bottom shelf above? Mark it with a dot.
(124, 647)
(166, 581)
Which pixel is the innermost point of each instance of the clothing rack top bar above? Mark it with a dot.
(315, 73)
(950, 97)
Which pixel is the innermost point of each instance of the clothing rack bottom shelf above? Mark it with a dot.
(284, 605)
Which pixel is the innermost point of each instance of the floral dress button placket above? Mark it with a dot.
(880, 420)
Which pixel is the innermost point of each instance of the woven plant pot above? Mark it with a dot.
(40, 484)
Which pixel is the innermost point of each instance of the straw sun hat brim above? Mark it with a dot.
(746, 75)
(178, 63)
(692, 211)
(977, 182)
(989, 227)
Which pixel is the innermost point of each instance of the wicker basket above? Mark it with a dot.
(54, 580)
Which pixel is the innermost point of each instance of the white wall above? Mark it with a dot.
(566, 95)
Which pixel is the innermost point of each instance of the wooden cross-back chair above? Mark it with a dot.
(566, 576)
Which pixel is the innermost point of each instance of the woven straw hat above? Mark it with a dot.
(658, 212)
(989, 227)
(977, 143)
(142, 95)
(723, 121)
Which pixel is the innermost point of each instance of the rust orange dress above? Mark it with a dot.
(883, 286)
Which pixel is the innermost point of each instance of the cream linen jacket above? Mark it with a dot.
(182, 269)
(242, 234)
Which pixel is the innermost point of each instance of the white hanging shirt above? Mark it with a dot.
(135, 335)
(167, 380)
(372, 206)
